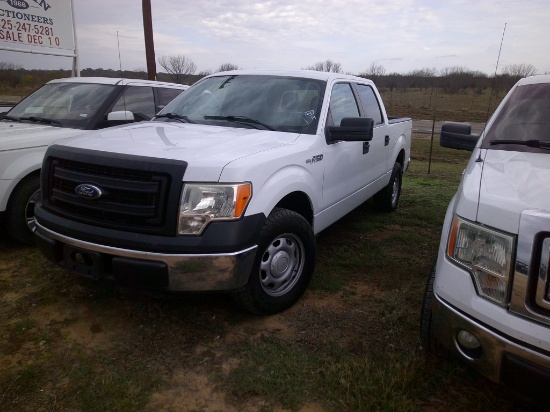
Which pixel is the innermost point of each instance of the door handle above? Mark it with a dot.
(387, 140)
(366, 147)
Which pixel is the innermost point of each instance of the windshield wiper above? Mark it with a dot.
(541, 144)
(41, 120)
(240, 119)
(175, 116)
(8, 117)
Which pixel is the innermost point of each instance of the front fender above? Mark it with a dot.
(16, 165)
(289, 179)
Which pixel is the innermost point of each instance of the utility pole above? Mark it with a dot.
(149, 44)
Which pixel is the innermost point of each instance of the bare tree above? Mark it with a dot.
(519, 70)
(178, 67)
(204, 73)
(227, 67)
(326, 66)
(375, 70)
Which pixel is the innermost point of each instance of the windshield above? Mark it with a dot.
(288, 104)
(525, 117)
(63, 104)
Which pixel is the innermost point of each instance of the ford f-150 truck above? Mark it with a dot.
(488, 298)
(226, 188)
(63, 108)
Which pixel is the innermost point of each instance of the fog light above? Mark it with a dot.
(468, 345)
(467, 340)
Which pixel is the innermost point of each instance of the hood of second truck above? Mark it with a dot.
(205, 148)
(510, 183)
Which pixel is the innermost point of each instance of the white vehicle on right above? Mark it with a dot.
(488, 296)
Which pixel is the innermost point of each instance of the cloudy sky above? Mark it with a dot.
(400, 35)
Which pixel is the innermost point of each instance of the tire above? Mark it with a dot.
(20, 222)
(283, 265)
(386, 200)
(427, 340)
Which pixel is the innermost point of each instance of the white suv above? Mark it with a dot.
(64, 108)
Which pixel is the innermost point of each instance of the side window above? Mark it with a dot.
(370, 103)
(342, 103)
(139, 101)
(167, 95)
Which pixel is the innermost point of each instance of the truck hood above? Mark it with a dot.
(14, 135)
(206, 149)
(512, 182)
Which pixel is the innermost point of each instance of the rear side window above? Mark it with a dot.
(370, 103)
(139, 101)
(167, 95)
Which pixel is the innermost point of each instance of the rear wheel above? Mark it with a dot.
(20, 223)
(387, 199)
(283, 265)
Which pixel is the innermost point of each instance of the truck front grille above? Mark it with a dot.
(531, 285)
(135, 192)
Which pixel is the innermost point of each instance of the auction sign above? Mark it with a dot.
(38, 25)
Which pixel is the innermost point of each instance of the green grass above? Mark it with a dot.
(350, 344)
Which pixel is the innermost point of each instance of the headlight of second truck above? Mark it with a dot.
(486, 253)
(202, 203)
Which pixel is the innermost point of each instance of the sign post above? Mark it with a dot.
(39, 27)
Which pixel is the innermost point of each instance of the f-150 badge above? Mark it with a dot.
(316, 158)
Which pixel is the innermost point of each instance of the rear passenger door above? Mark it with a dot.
(379, 145)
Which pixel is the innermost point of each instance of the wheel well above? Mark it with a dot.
(23, 180)
(401, 158)
(298, 202)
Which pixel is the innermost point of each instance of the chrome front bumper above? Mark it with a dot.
(184, 272)
(502, 359)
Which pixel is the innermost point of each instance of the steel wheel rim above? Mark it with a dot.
(282, 264)
(395, 190)
(29, 211)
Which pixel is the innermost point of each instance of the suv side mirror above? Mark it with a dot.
(122, 116)
(458, 136)
(351, 129)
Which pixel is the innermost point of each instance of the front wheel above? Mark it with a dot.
(20, 222)
(283, 265)
(387, 199)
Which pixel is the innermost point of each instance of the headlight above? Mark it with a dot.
(202, 203)
(486, 253)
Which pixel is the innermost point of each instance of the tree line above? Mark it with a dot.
(182, 69)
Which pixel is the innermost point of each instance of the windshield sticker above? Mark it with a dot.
(83, 115)
(34, 110)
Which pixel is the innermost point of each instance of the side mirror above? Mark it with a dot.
(123, 116)
(458, 136)
(351, 129)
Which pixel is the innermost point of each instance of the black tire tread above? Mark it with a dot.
(16, 224)
(249, 298)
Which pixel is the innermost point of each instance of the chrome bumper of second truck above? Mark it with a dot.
(186, 272)
(497, 348)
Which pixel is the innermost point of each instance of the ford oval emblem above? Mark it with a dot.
(88, 191)
(18, 4)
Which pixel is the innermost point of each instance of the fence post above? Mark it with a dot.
(431, 146)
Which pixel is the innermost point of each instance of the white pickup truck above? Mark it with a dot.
(226, 189)
(64, 108)
(488, 297)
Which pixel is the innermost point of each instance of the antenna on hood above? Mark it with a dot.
(492, 88)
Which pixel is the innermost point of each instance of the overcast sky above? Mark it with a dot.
(400, 35)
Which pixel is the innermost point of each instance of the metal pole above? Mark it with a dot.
(431, 146)
(76, 68)
(149, 44)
